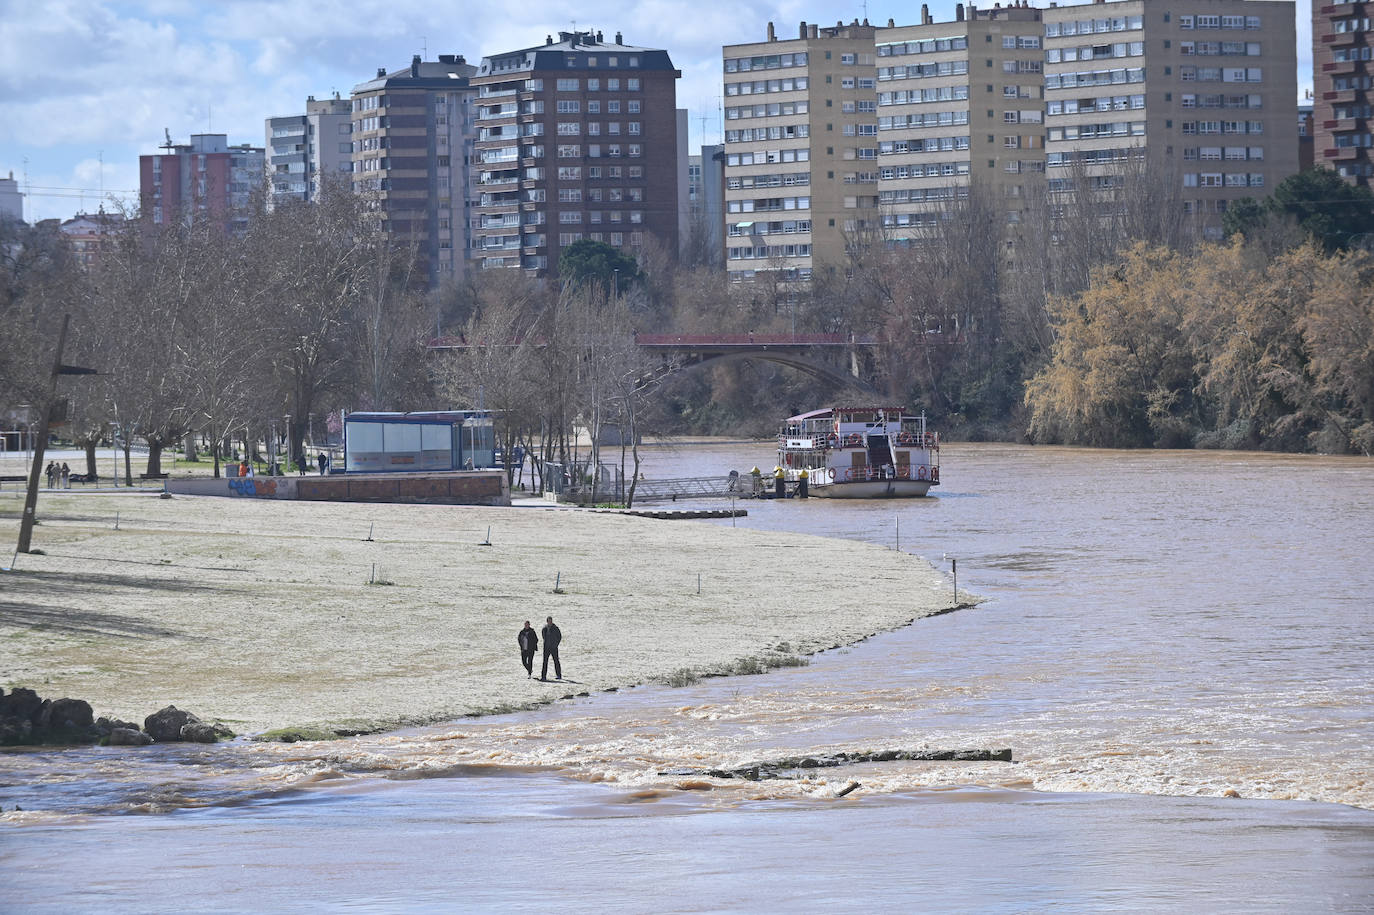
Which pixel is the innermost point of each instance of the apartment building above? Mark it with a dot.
(577, 139)
(801, 149)
(11, 199)
(203, 179)
(1343, 88)
(706, 205)
(305, 149)
(90, 233)
(412, 135)
(1203, 90)
(957, 100)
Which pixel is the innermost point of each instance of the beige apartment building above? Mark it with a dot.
(1205, 91)
(956, 100)
(1010, 96)
(801, 128)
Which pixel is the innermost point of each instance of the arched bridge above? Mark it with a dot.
(833, 357)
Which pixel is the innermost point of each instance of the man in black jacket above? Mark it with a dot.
(552, 636)
(529, 643)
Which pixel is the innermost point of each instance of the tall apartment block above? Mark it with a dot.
(11, 200)
(706, 202)
(412, 136)
(1343, 88)
(1206, 89)
(204, 179)
(958, 99)
(305, 149)
(576, 139)
(801, 126)
(854, 124)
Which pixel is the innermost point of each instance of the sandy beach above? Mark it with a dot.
(268, 615)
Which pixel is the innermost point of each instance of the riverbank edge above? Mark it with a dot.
(165, 603)
(768, 662)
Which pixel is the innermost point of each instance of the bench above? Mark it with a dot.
(11, 478)
(152, 476)
(85, 478)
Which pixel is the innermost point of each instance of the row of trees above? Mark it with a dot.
(195, 332)
(1084, 320)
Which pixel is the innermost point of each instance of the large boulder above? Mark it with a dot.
(66, 715)
(165, 725)
(198, 732)
(128, 737)
(107, 726)
(20, 703)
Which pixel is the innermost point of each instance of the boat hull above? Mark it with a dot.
(872, 489)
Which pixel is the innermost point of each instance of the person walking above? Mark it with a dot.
(552, 637)
(529, 644)
(66, 476)
(50, 471)
(323, 462)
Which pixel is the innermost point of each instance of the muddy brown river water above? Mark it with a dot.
(1176, 646)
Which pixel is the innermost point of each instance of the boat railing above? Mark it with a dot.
(920, 472)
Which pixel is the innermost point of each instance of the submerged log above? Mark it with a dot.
(792, 766)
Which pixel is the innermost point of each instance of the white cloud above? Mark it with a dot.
(80, 76)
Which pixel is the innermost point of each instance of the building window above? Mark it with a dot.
(569, 85)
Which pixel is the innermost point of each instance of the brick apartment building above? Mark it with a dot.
(576, 139)
(1343, 88)
(411, 149)
(204, 179)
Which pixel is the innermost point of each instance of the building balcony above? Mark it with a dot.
(1341, 39)
(1341, 153)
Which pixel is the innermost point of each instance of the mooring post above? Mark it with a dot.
(954, 567)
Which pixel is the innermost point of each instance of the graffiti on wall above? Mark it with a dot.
(253, 488)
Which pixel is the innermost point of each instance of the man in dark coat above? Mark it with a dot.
(529, 644)
(552, 636)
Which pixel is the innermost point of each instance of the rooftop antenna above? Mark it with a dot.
(424, 46)
(167, 144)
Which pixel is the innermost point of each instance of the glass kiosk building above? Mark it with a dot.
(430, 441)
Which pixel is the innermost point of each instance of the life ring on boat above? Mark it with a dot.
(833, 440)
(921, 472)
(904, 438)
(853, 440)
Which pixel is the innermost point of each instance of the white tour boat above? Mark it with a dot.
(860, 453)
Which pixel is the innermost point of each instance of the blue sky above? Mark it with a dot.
(87, 86)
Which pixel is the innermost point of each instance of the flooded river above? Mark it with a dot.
(1176, 647)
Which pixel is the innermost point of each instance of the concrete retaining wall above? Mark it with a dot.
(470, 487)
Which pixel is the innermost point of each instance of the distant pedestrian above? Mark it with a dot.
(324, 462)
(243, 468)
(552, 637)
(529, 644)
(300, 464)
(51, 472)
(250, 470)
(66, 476)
